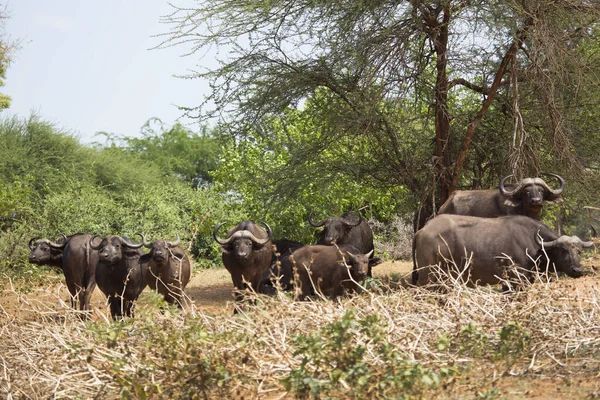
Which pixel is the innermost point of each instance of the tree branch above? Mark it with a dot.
(510, 54)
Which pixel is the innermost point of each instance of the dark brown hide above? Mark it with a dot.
(525, 198)
(487, 242)
(77, 261)
(281, 248)
(247, 253)
(119, 273)
(169, 271)
(324, 267)
(346, 229)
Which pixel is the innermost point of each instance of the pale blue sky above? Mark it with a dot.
(86, 66)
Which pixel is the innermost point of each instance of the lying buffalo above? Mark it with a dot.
(523, 198)
(330, 269)
(77, 261)
(490, 245)
(247, 253)
(119, 273)
(346, 229)
(169, 270)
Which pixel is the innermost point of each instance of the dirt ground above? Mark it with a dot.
(209, 289)
(211, 293)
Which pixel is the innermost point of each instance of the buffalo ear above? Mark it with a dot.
(373, 262)
(551, 198)
(512, 202)
(145, 259)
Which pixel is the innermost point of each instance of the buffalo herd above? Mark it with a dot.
(481, 236)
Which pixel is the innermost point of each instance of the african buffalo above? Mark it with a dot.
(281, 249)
(327, 268)
(247, 253)
(524, 198)
(490, 245)
(77, 261)
(119, 273)
(346, 229)
(169, 270)
(46, 252)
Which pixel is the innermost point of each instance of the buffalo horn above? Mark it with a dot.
(32, 241)
(561, 181)
(58, 245)
(217, 238)
(92, 245)
(175, 243)
(546, 245)
(509, 192)
(594, 233)
(269, 233)
(144, 243)
(130, 244)
(587, 244)
(353, 224)
(313, 223)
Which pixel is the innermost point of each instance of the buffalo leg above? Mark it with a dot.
(116, 307)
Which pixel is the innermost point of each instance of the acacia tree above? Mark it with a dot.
(387, 66)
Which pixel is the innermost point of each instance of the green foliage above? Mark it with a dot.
(508, 346)
(333, 364)
(472, 341)
(513, 341)
(50, 185)
(280, 176)
(176, 150)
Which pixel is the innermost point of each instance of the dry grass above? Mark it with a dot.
(457, 343)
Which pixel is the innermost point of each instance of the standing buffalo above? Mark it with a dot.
(77, 261)
(489, 245)
(330, 269)
(46, 252)
(347, 229)
(169, 270)
(281, 248)
(247, 253)
(119, 273)
(524, 198)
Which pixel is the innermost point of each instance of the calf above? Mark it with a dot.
(169, 270)
(119, 273)
(330, 269)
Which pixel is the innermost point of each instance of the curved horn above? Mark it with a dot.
(594, 233)
(561, 181)
(31, 242)
(144, 243)
(586, 245)
(175, 243)
(130, 244)
(269, 234)
(92, 245)
(313, 223)
(353, 224)
(546, 245)
(58, 245)
(217, 238)
(509, 192)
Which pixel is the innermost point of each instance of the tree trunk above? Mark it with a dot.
(443, 157)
